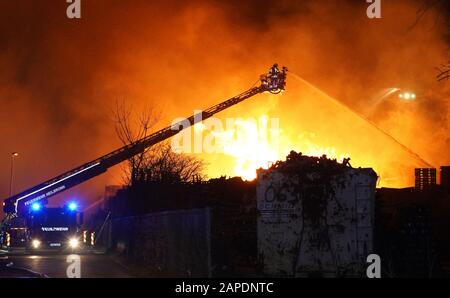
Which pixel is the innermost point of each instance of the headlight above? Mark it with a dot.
(73, 243)
(35, 243)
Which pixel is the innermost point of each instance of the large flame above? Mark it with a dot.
(307, 120)
(255, 144)
(252, 143)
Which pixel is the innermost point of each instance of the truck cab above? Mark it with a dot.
(54, 228)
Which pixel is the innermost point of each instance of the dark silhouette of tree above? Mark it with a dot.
(158, 163)
(444, 72)
(444, 17)
(161, 164)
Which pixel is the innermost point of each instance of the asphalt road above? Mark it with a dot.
(56, 265)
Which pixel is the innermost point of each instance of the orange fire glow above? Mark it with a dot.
(60, 79)
(310, 122)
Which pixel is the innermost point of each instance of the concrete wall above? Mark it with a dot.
(312, 224)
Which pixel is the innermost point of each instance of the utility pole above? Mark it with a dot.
(11, 181)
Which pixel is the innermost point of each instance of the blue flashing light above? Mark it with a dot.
(72, 206)
(36, 207)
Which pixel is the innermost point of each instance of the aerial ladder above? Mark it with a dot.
(17, 205)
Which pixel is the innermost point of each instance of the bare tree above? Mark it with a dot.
(129, 129)
(163, 165)
(428, 5)
(159, 162)
(444, 72)
(443, 6)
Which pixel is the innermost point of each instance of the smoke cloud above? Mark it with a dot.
(60, 78)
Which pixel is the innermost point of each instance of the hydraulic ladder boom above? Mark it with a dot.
(273, 81)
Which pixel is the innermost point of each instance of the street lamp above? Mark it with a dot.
(11, 181)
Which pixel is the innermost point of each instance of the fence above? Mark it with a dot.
(173, 243)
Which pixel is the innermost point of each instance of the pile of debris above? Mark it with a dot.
(297, 162)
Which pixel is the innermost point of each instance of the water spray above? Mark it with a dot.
(404, 147)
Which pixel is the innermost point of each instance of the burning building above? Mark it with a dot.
(315, 217)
